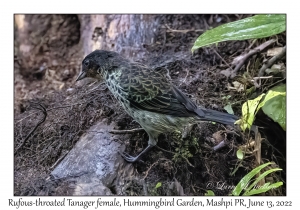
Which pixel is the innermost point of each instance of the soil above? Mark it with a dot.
(190, 163)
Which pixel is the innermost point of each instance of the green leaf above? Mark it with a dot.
(260, 178)
(245, 180)
(228, 108)
(279, 90)
(209, 193)
(249, 110)
(264, 188)
(258, 26)
(158, 185)
(240, 154)
(275, 106)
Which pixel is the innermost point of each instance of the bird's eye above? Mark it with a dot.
(86, 63)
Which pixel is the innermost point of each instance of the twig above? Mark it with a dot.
(275, 83)
(230, 131)
(59, 159)
(136, 130)
(272, 61)
(165, 150)
(219, 146)
(182, 31)
(26, 117)
(258, 140)
(252, 52)
(255, 79)
(59, 107)
(50, 109)
(222, 59)
(43, 109)
(96, 88)
(252, 43)
(146, 172)
(245, 57)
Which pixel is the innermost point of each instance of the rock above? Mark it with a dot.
(94, 164)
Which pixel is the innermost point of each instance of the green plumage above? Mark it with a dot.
(147, 95)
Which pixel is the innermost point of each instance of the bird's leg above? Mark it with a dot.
(131, 159)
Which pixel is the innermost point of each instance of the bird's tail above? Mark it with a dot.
(220, 117)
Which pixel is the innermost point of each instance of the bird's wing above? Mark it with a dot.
(149, 90)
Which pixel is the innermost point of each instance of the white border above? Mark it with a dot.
(154, 6)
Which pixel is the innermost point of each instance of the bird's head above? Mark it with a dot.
(98, 63)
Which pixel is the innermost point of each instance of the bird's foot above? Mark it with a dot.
(129, 158)
(132, 159)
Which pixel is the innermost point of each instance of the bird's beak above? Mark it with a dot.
(81, 76)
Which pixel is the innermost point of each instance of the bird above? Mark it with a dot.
(148, 96)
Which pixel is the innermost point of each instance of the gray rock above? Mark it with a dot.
(94, 166)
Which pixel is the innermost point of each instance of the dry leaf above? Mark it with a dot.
(274, 51)
(239, 87)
